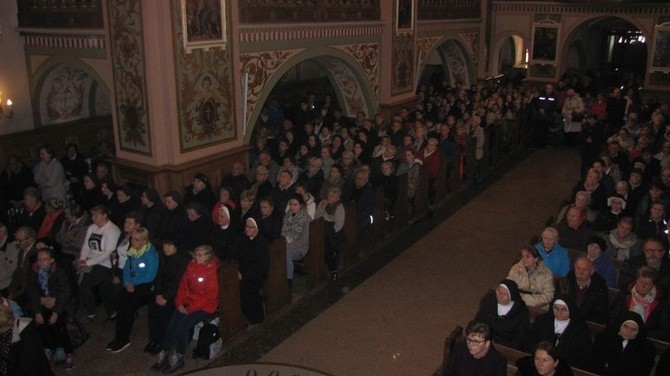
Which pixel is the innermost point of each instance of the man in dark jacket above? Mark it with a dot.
(587, 289)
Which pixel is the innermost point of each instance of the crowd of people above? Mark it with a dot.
(612, 235)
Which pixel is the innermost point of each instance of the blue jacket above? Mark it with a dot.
(557, 260)
(142, 269)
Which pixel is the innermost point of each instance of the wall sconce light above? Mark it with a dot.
(6, 109)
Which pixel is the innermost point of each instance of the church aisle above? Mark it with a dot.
(395, 322)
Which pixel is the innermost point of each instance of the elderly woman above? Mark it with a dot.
(623, 348)
(544, 362)
(251, 250)
(535, 282)
(72, 233)
(622, 243)
(139, 273)
(554, 255)
(332, 211)
(296, 231)
(564, 327)
(645, 297)
(582, 201)
(506, 314)
(50, 175)
(197, 296)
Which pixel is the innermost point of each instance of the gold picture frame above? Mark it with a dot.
(204, 24)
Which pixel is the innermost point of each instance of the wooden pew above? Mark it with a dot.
(378, 227)
(276, 290)
(349, 247)
(231, 319)
(421, 196)
(449, 343)
(401, 210)
(315, 260)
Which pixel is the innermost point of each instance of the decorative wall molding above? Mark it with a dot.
(367, 55)
(265, 33)
(441, 27)
(525, 7)
(402, 62)
(344, 79)
(471, 43)
(95, 42)
(261, 66)
(423, 48)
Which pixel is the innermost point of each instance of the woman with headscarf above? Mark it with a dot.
(564, 327)
(623, 348)
(153, 213)
(222, 234)
(506, 314)
(251, 251)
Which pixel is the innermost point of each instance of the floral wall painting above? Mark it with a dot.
(128, 64)
(203, 24)
(203, 115)
(661, 53)
(404, 16)
(65, 95)
(403, 63)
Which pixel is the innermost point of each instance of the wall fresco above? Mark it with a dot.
(65, 95)
(403, 64)
(367, 55)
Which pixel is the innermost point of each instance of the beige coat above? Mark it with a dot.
(537, 290)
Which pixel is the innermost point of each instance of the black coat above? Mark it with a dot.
(636, 359)
(270, 226)
(205, 197)
(26, 357)
(222, 240)
(462, 363)
(526, 367)
(58, 286)
(252, 257)
(170, 270)
(194, 233)
(174, 222)
(509, 330)
(595, 301)
(574, 345)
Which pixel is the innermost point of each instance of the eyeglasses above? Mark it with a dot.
(653, 250)
(471, 341)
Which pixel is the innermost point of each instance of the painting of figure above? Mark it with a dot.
(544, 43)
(203, 24)
(405, 16)
(662, 48)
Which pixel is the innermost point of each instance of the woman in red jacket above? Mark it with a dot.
(196, 297)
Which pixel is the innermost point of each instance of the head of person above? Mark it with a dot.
(194, 211)
(100, 215)
(656, 190)
(654, 252)
(361, 179)
(478, 338)
(561, 309)
(549, 238)
(621, 188)
(123, 193)
(575, 217)
(545, 358)
(635, 177)
(45, 257)
(645, 280)
(262, 173)
(387, 168)
(32, 199)
(582, 199)
(595, 247)
(336, 172)
(139, 237)
(529, 257)
(203, 254)
(199, 182)
(24, 237)
(296, 203)
(616, 203)
(247, 199)
(251, 228)
(583, 270)
(53, 205)
(47, 153)
(631, 326)
(657, 211)
(507, 292)
(172, 200)
(150, 197)
(266, 206)
(169, 247)
(223, 219)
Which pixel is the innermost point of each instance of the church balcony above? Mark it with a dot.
(76, 14)
(307, 11)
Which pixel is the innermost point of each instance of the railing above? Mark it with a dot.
(448, 9)
(78, 14)
(288, 11)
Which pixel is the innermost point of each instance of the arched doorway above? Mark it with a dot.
(318, 72)
(449, 63)
(617, 49)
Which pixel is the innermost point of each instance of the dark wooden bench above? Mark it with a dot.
(315, 260)
(231, 319)
(276, 290)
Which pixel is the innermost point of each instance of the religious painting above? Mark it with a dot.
(404, 16)
(203, 24)
(545, 42)
(661, 53)
(129, 76)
